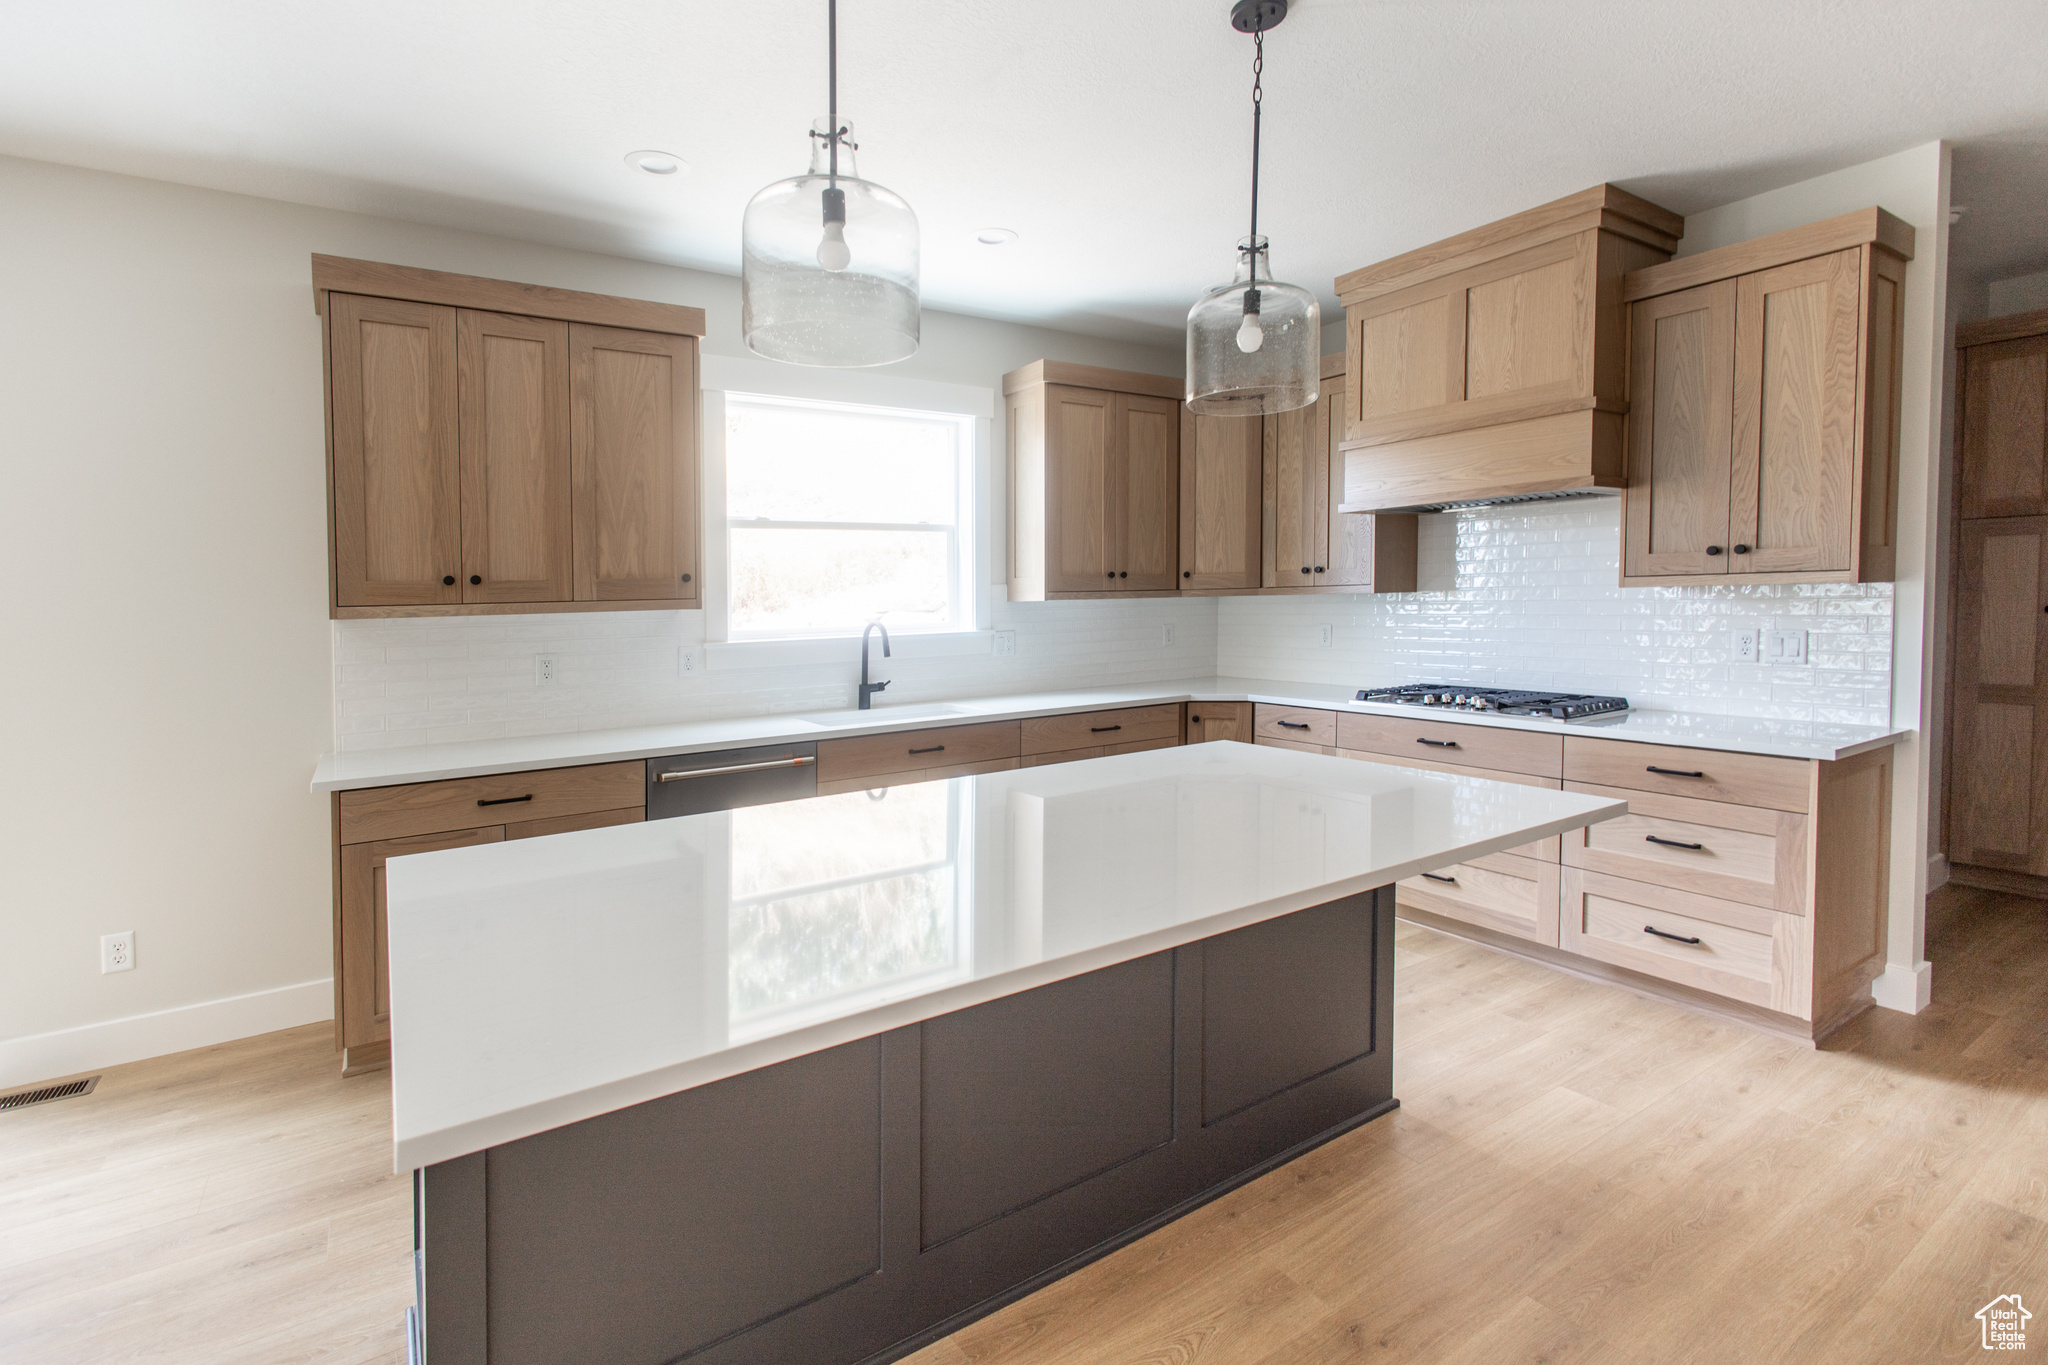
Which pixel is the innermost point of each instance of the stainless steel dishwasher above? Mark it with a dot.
(690, 784)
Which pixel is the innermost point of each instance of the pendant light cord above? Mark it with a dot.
(1258, 98)
(832, 97)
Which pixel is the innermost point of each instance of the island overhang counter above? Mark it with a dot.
(824, 1080)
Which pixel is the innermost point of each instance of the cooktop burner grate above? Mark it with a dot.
(1507, 701)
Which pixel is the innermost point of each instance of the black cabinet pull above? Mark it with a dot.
(1125, 574)
(935, 749)
(1304, 568)
(1671, 843)
(448, 580)
(1187, 573)
(1194, 720)
(507, 800)
(1293, 725)
(686, 578)
(1713, 549)
(1435, 878)
(475, 579)
(1439, 743)
(1742, 549)
(1670, 772)
(1111, 574)
(1675, 938)
(1319, 568)
(1103, 729)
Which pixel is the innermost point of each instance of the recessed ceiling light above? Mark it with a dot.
(657, 163)
(995, 236)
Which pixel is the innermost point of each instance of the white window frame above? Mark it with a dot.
(981, 513)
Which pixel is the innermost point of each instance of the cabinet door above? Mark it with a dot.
(397, 493)
(1358, 549)
(633, 433)
(1221, 471)
(1210, 721)
(1792, 498)
(513, 399)
(1077, 489)
(1681, 387)
(2003, 467)
(365, 956)
(1998, 756)
(1146, 470)
(1296, 533)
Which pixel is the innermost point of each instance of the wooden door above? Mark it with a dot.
(1296, 533)
(1998, 756)
(365, 955)
(1680, 453)
(397, 490)
(1221, 471)
(513, 399)
(2002, 468)
(1145, 468)
(1077, 490)
(633, 438)
(1792, 491)
(1209, 721)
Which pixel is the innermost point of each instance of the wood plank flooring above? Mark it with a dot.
(1577, 1174)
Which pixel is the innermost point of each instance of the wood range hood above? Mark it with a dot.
(1493, 366)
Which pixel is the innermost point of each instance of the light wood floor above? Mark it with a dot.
(1576, 1174)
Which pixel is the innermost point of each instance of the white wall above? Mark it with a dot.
(163, 531)
(2020, 294)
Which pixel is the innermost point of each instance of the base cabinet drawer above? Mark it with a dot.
(1700, 774)
(1545, 850)
(1098, 729)
(472, 802)
(1475, 746)
(1739, 951)
(1295, 724)
(1739, 853)
(908, 751)
(1499, 891)
(879, 781)
(1136, 746)
(1298, 747)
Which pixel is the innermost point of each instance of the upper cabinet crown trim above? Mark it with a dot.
(2011, 327)
(1602, 206)
(1871, 225)
(1094, 377)
(342, 275)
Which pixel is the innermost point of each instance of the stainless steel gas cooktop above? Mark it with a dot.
(1462, 697)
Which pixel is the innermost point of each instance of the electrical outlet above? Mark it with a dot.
(1742, 648)
(1326, 634)
(1166, 633)
(687, 661)
(1784, 646)
(544, 670)
(1006, 644)
(117, 951)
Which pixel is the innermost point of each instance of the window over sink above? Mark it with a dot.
(839, 514)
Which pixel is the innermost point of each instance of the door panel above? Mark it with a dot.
(365, 956)
(513, 399)
(1792, 489)
(2003, 469)
(1293, 459)
(1682, 371)
(397, 493)
(633, 409)
(1998, 760)
(1147, 470)
(1220, 479)
(1077, 457)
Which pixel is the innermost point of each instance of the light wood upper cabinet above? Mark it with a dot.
(2002, 462)
(633, 423)
(502, 447)
(1221, 477)
(1309, 542)
(513, 389)
(1998, 754)
(397, 494)
(1095, 482)
(1764, 400)
(1494, 362)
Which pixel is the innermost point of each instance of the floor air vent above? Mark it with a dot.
(49, 1092)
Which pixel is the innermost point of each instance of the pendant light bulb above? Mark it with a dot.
(832, 250)
(1250, 335)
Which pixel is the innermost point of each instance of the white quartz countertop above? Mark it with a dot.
(432, 762)
(542, 981)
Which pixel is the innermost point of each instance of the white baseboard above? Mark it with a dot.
(1906, 989)
(66, 1052)
(1937, 872)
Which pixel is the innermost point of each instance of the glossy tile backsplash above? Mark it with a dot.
(1526, 596)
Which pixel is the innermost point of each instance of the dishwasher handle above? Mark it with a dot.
(799, 761)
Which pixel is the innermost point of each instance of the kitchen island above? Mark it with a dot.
(827, 1079)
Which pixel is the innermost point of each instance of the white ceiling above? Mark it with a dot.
(1112, 134)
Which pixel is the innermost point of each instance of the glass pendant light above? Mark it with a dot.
(1255, 345)
(828, 264)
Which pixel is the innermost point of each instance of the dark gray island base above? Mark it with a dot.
(855, 1204)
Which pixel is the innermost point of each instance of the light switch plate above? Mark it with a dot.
(1006, 644)
(1742, 646)
(1784, 646)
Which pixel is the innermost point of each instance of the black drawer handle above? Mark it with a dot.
(1675, 938)
(1670, 772)
(1103, 729)
(935, 749)
(1435, 878)
(1439, 743)
(1671, 843)
(507, 800)
(1293, 724)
